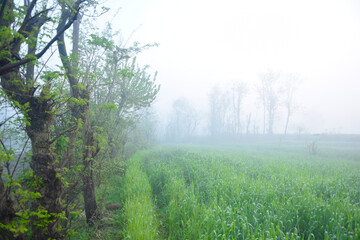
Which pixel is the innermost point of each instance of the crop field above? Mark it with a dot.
(234, 192)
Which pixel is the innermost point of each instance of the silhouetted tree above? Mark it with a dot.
(291, 84)
(237, 93)
(268, 92)
(219, 104)
(183, 120)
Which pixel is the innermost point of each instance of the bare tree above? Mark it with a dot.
(238, 92)
(184, 120)
(291, 84)
(268, 91)
(248, 124)
(219, 103)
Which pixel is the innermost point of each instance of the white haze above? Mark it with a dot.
(204, 42)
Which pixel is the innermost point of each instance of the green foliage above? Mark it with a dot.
(60, 146)
(120, 91)
(16, 227)
(115, 91)
(109, 106)
(27, 218)
(100, 41)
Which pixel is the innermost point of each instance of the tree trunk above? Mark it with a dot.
(43, 164)
(248, 124)
(40, 118)
(88, 178)
(264, 129)
(80, 112)
(287, 122)
(270, 122)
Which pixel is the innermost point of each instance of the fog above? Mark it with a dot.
(204, 43)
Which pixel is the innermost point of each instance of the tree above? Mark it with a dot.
(183, 121)
(143, 134)
(21, 25)
(85, 105)
(80, 113)
(248, 121)
(219, 103)
(268, 92)
(291, 84)
(124, 90)
(238, 92)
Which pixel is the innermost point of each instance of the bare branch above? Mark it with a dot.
(7, 165)
(42, 68)
(3, 122)
(27, 17)
(17, 162)
(3, 145)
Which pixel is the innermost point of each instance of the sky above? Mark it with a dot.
(203, 43)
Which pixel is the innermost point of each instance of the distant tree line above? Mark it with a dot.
(229, 116)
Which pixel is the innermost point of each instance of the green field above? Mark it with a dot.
(237, 191)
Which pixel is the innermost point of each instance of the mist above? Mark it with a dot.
(208, 44)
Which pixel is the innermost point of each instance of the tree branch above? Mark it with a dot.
(3, 4)
(17, 162)
(3, 122)
(9, 67)
(28, 14)
(7, 165)
(3, 145)
(64, 56)
(70, 129)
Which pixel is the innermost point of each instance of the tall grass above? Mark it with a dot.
(139, 208)
(234, 193)
(203, 195)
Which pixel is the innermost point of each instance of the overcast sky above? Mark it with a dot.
(208, 42)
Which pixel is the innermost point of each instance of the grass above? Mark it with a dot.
(112, 223)
(139, 208)
(135, 219)
(236, 192)
(277, 195)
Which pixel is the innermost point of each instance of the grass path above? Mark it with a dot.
(141, 222)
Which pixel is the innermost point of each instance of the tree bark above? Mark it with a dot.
(43, 164)
(88, 178)
(80, 112)
(40, 118)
